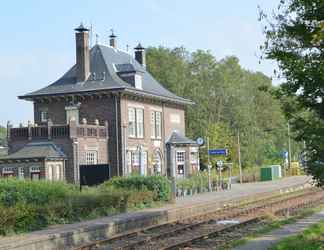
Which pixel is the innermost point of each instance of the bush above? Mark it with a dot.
(159, 185)
(13, 191)
(30, 205)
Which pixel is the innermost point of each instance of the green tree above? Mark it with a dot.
(3, 136)
(294, 38)
(227, 98)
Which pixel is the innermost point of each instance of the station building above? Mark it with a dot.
(106, 109)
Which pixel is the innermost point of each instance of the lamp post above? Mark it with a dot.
(209, 167)
(239, 155)
(289, 146)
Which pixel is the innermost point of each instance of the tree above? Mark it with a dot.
(3, 136)
(227, 98)
(294, 38)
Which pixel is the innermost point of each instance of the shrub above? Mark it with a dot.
(14, 191)
(159, 185)
(28, 205)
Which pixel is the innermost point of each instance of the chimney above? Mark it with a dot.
(82, 53)
(140, 55)
(112, 39)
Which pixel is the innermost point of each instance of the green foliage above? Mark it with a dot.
(32, 205)
(227, 98)
(295, 40)
(3, 136)
(159, 185)
(310, 239)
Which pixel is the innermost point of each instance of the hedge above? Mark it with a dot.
(31, 205)
(159, 185)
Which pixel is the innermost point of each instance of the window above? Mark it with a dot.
(134, 161)
(91, 157)
(180, 157)
(21, 173)
(140, 123)
(138, 81)
(136, 122)
(34, 173)
(131, 122)
(8, 172)
(44, 116)
(157, 163)
(194, 157)
(156, 125)
(72, 114)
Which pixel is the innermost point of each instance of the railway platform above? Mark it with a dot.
(74, 235)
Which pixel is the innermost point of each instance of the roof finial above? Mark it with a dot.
(97, 38)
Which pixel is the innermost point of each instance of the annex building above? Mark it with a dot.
(106, 109)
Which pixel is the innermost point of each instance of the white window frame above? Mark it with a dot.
(8, 170)
(21, 173)
(135, 122)
(156, 124)
(91, 157)
(131, 122)
(44, 115)
(181, 162)
(140, 123)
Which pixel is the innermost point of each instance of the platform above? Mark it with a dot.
(73, 235)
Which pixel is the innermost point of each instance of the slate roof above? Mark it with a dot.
(178, 138)
(45, 149)
(106, 62)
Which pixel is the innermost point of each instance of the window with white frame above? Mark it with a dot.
(140, 123)
(8, 171)
(180, 162)
(44, 116)
(136, 122)
(131, 122)
(134, 161)
(91, 157)
(34, 173)
(21, 173)
(180, 156)
(194, 157)
(156, 124)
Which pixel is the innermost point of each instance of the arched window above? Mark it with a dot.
(157, 162)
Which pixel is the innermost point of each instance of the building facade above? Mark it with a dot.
(107, 109)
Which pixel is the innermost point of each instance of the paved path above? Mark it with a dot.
(270, 239)
(241, 190)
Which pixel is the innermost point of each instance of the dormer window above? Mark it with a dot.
(130, 74)
(138, 81)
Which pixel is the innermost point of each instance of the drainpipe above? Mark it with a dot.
(117, 133)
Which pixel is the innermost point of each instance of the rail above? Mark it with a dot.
(48, 131)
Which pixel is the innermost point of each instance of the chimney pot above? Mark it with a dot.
(112, 39)
(140, 55)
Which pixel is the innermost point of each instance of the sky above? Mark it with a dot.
(37, 37)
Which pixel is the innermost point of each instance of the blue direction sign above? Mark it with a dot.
(221, 151)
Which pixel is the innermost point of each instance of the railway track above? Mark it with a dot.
(182, 233)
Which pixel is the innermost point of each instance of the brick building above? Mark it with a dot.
(106, 109)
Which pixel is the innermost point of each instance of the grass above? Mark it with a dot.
(311, 239)
(272, 223)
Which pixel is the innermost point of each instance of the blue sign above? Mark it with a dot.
(222, 151)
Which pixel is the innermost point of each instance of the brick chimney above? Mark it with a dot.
(82, 53)
(112, 39)
(140, 55)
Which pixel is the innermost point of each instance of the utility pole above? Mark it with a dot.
(289, 146)
(239, 155)
(209, 167)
